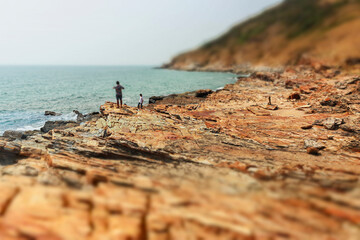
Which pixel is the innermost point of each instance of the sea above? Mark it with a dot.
(26, 92)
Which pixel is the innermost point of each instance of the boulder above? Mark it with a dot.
(51, 113)
(91, 116)
(14, 134)
(329, 123)
(49, 125)
(80, 116)
(203, 93)
(153, 99)
(351, 125)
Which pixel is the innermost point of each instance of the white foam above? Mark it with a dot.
(64, 117)
(36, 126)
(29, 128)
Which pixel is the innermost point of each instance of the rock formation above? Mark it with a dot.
(285, 34)
(231, 165)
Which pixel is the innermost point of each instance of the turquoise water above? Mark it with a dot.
(26, 92)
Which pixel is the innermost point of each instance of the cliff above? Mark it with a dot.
(323, 29)
(222, 165)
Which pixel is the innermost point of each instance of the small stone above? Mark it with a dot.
(295, 96)
(312, 151)
(305, 89)
(311, 111)
(307, 127)
(51, 113)
(272, 107)
(303, 107)
(313, 143)
(289, 84)
(329, 102)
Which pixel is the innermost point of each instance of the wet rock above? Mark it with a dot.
(91, 116)
(49, 125)
(79, 117)
(153, 99)
(32, 132)
(14, 134)
(51, 113)
(86, 117)
(203, 93)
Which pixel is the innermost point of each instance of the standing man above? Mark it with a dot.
(118, 89)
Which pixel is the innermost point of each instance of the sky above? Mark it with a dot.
(113, 32)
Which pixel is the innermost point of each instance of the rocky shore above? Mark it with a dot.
(273, 156)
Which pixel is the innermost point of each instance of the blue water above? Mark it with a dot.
(26, 92)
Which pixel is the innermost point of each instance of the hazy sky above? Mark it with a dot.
(113, 32)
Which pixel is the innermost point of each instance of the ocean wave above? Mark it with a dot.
(28, 128)
(64, 117)
(40, 123)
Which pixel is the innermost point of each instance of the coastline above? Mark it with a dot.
(87, 88)
(165, 169)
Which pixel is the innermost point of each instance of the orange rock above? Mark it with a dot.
(221, 167)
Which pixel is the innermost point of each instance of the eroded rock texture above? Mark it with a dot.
(228, 167)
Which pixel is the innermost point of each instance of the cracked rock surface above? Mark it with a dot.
(227, 166)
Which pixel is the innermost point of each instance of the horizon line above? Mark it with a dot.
(77, 65)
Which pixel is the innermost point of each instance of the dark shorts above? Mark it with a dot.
(118, 96)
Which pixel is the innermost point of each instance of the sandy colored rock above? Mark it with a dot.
(224, 167)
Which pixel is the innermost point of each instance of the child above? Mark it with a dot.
(141, 100)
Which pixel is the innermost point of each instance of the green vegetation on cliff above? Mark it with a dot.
(282, 35)
(299, 17)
